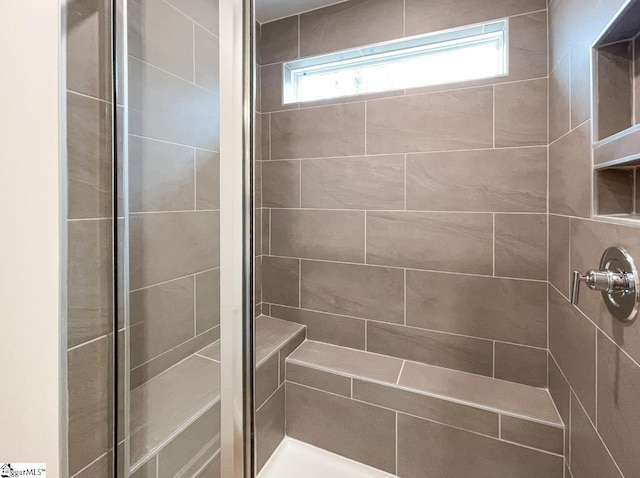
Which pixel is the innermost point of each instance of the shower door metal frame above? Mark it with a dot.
(236, 28)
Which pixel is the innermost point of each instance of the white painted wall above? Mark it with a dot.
(30, 232)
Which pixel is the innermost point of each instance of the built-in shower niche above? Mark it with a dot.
(616, 108)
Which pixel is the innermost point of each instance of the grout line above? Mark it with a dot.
(365, 127)
(494, 243)
(366, 335)
(494, 360)
(400, 373)
(396, 442)
(500, 425)
(398, 211)
(494, 116)
(404, 322)
(174, 280)
(405, 181)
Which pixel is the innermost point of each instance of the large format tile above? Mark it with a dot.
(270, 427)
(161, 176)
(367, 182)
(521, 246)
(570, 173)
(507, 397)
(207, 180)
(357, 290)
(350, 24)
(559, 274)
(445, 350)
(560, 99)
(281, 184)
(497, 180)
(267, 379)
(451, 120)
(512, 127)
(618, 414)
(279, 40)
(425, 17)
(431, 408)
(90, 168)
(89, 282)
(589, 455)
(188, 451)
(89, 59)
(326, 235)
(366, 433)
(272, 90)
(162, 36)
(425, 449)
(207, 59)
(323, 327)
(281, 281)
(318, 379)
(561, 394)
(516, 363)
(90, 402)
(162, 406)
(508, 310)
(316, 132)
(162, 317)
(168, 108)
(536, 435)
(166, 246)
(347, 361)
(203, 12)
(272, 335)
(528, 45)
(433, 241)
(572, 341)
(207, 300)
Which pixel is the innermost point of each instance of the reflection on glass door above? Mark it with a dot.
(168, 225)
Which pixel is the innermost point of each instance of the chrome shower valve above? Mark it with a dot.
(617, 280)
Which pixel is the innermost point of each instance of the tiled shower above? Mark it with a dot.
(413, 248)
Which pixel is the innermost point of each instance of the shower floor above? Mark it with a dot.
(294, 459)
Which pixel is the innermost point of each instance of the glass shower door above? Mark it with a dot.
(168, 354)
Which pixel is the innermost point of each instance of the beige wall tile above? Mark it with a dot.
(90, 166)
(528, 45)
(271, 89)
(570, 173)
(521, 246)
(270, 427)
(162, 36)
(434, 241)
(513, 128)
(207, 59)
(89, 48)
(460, 119)
(162, 317)
(318, 132)
(375, 182)
(581, 82)
(204, 12)
(626, 145)
(425, 406)
(90, 266)
(614, 191)
(170, 245)
(161, 176)
(357, 290)
(502, 309)
(618, 415)
(157, 108)
(314, 234)
(279, 40)
(350, 24)
(90, 402)
(281, 184)
(509, 180)
(329, 328)
(280, 281)
(536, 435)
(572, 341)
(267, 379)
(561, 394)
(207, 180)
(559, 273)
(526, 365)
(614, 90)
(589, 455)
(560, 99)
(445, 350)
(207, 300)
(319, 379)
(424, 449)
(422, 17)
(103, 468)
(366, 433)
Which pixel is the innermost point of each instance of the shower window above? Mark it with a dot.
(464, 54)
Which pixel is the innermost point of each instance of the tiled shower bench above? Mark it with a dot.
(417, 420)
